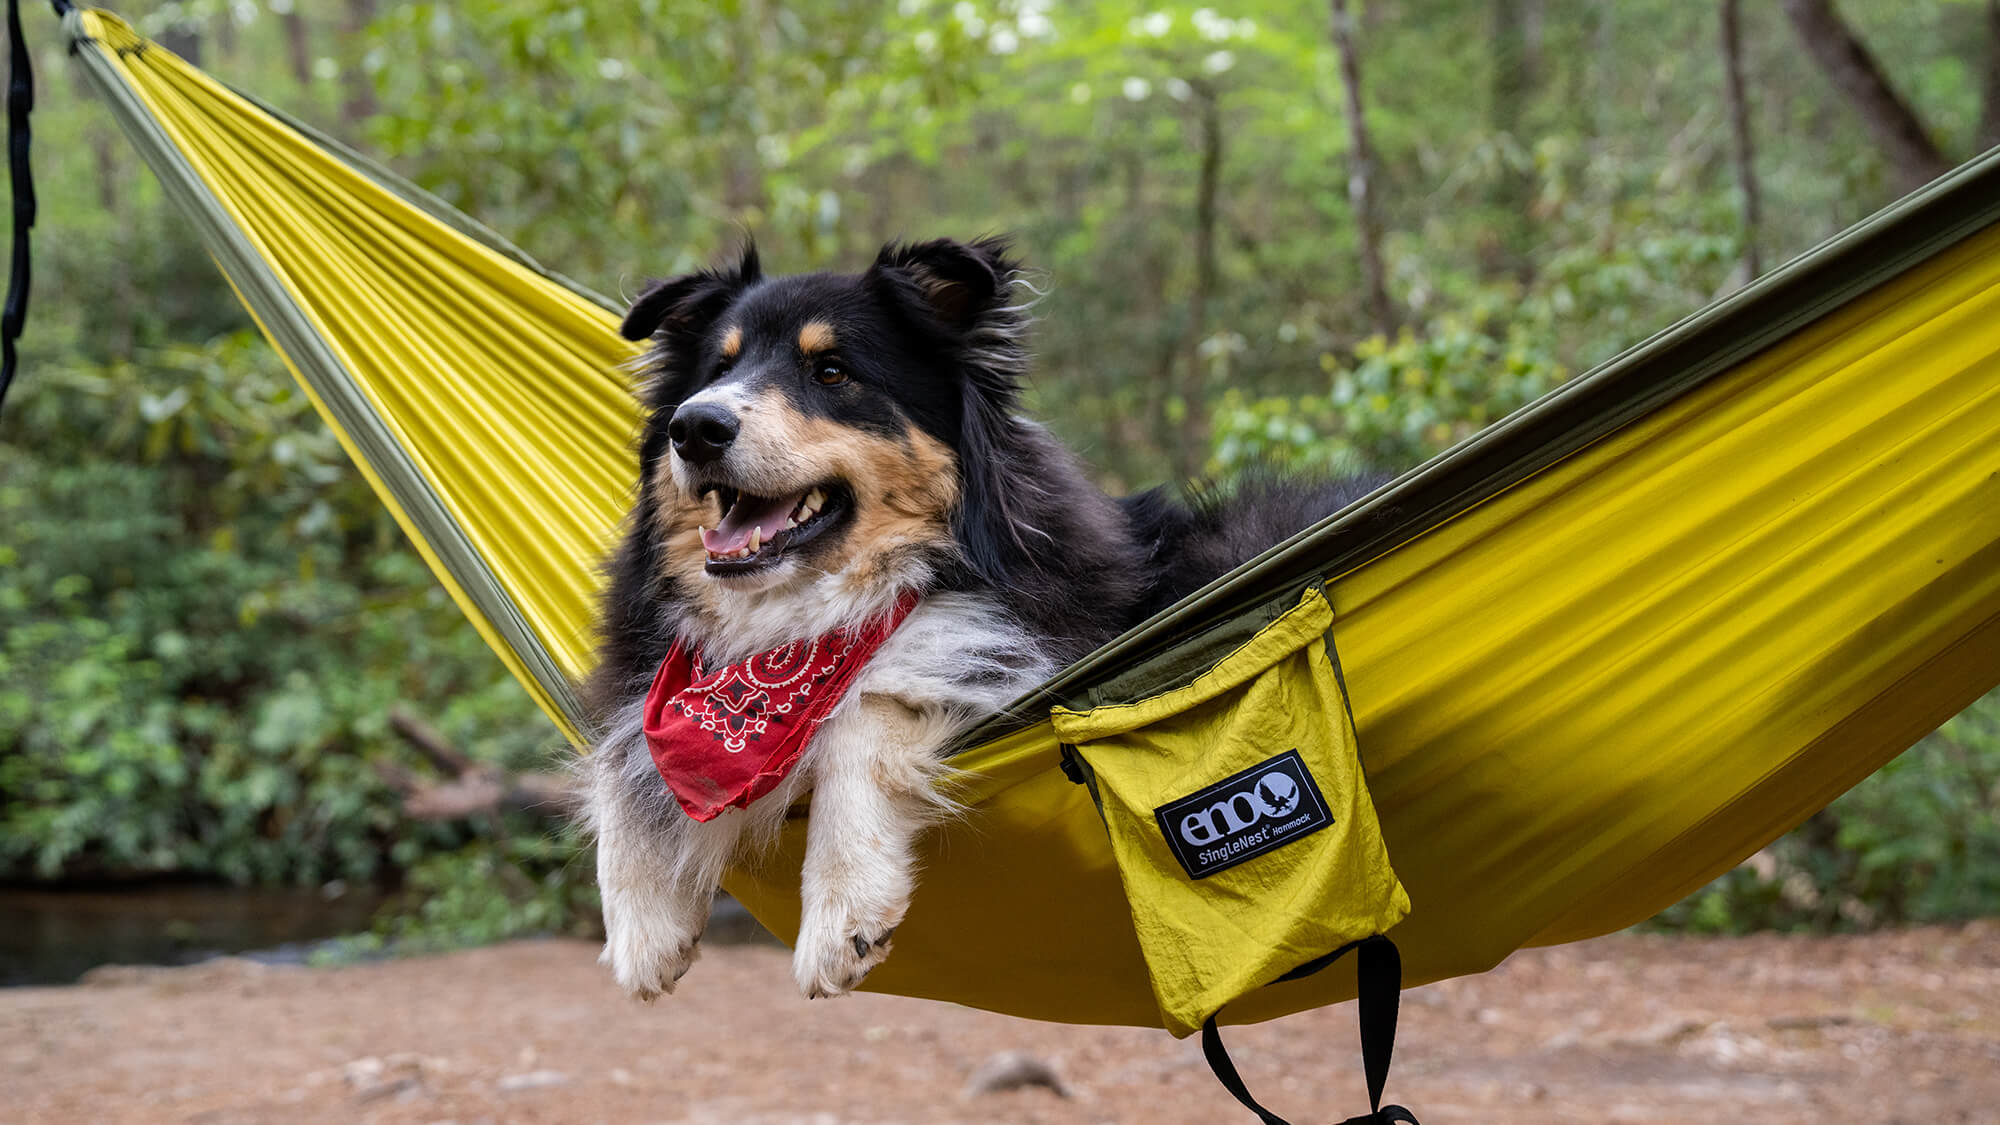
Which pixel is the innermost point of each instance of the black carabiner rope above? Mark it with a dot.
(20, 103)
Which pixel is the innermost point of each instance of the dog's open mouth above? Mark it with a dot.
(756, 531)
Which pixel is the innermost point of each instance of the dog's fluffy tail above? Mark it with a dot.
(1212, 530)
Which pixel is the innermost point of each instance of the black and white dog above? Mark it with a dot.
(820, 453)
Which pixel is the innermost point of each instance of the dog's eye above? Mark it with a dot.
(829, 373)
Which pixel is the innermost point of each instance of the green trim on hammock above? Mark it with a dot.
(1629, 386)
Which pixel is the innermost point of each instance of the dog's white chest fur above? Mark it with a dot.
(872, 769)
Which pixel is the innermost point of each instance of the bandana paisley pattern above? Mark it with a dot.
(738, 702)
(724, 737)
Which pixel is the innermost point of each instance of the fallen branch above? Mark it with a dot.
(426, 740)
(469, 787)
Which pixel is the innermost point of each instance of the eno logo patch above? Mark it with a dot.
(1244, 815)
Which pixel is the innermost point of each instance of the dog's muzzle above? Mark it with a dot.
(702, 432)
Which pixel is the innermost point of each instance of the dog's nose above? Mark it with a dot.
(702, 431)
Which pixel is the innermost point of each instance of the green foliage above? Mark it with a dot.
(1397, 404)
(1605, 280)
(1919, 841)
(509, 883)
(192, 579)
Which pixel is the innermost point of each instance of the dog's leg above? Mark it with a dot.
(657, 871)
(874, 769)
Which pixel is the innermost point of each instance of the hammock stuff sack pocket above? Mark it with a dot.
(1228, 777)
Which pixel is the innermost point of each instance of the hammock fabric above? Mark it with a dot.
(1596, 655)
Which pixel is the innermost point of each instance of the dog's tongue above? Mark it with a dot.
(733, 533)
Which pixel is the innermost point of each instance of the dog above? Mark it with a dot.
(841, 456)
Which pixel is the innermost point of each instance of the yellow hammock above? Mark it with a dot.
(1596, 656)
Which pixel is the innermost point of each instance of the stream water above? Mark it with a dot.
(54, 936)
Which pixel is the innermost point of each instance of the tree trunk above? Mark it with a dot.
(1508, 95)
(1912, 154)
(469, 788)
(1513, 186)
(104, 147)
(1533, 34)
(1739, 129)
(360, 102)
(225, 31)
(1361, 174)
(183, 39)
(743, 169)
(1149, 268)
(1190, 451)
(298, 46)
(119, 321)
(1989, 115)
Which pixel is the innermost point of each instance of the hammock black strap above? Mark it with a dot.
(1379, 974)
(20, 103)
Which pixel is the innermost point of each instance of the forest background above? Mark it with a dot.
(1337, 234)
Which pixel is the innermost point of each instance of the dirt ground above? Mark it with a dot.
(1881, 1028)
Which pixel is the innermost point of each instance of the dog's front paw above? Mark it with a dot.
(647, 949)
(837, 948)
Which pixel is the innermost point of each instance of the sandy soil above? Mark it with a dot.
(1882, 1028)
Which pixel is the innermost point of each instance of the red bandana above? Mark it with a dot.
(722, 739)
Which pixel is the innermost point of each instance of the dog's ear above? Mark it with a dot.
(960, 282)
(675, 314)
(964, 290)
(689, 304)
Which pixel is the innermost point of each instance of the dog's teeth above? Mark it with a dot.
(756, 538)
(814, 499)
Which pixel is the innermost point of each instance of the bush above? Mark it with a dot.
(503, 885)
(205, 617)
(1394, 405)
(1917, 842)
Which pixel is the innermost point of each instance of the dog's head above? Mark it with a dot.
(838, 433)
